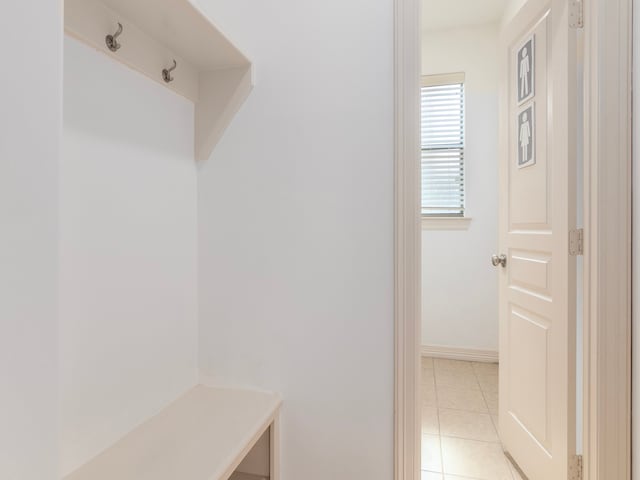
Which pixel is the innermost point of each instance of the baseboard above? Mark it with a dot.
(456, 353)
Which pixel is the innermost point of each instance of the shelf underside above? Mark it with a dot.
(210, 71)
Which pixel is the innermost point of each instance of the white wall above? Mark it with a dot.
(128, 233)
(30, 123)
(513, 6)
(296, 231)
(459, 284)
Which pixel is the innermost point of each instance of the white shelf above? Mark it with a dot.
(211, 71)
(204, 435)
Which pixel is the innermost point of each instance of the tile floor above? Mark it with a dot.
(459, 422)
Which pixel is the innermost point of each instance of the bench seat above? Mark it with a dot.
(204, 435)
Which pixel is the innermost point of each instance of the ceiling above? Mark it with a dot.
(441, 14)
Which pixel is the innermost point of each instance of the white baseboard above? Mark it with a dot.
(456, 353)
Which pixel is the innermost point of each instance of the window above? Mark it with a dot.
(442, 134)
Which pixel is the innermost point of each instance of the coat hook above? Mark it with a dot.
(111, 40)
(166, 72)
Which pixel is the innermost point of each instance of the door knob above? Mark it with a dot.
(499, 260)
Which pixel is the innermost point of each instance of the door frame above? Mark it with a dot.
(607, 241)
(407, 239)
(607, 222)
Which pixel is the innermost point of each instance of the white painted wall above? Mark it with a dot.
(128, 234)
(29, 153)
(513, 6)
(296, 231)
(459, 284)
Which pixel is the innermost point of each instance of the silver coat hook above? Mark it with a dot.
(166, 72)
(111, 40)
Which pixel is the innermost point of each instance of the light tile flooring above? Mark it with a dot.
(459, 422)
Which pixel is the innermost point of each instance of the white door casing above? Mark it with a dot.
(537, 212)
(607, 219)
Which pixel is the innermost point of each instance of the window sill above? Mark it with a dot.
(446, 223)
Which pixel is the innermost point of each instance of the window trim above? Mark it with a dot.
(442, 79)
(446, 221)
(430, 222)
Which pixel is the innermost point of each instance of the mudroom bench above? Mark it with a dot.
(207, 434)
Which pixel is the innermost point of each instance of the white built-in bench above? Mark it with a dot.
(207, 434)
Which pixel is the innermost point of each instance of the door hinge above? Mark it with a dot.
(576, 13)
(575, 467)
(576, 242)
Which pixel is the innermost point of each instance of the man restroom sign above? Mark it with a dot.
(526, 64)
(526, 137)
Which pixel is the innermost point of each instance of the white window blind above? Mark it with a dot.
(442, 107)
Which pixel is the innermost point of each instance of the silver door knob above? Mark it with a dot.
(499, 260)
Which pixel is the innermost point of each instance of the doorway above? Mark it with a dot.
(460, 104)
(608, 75)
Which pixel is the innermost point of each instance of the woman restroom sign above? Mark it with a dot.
(526, 137)
(526, 70)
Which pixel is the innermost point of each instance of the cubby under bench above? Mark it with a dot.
(207, 434)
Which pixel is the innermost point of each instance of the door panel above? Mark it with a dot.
(529, 195)
(530, 271)
(537, 211)
(529, 339)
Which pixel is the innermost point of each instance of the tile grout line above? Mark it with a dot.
(441, 437)
(435, 387)
(471, 439)
(484, 398)
(435, 393)
(492, 423)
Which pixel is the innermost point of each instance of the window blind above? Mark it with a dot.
(442, 107)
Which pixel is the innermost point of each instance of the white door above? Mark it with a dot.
(537, 212)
